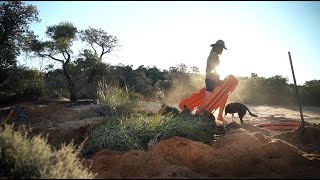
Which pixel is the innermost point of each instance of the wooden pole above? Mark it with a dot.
(296, 89)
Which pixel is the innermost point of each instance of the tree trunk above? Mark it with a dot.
(71, 83)
(4, 82)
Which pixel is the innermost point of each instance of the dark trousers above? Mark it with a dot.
(210, 84)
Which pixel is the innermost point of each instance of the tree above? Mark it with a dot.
(15, 18)
(178, 74)
(195, 69)
(58, 48)
(61, 37)
(88, 72)
(310, 93)
(100, 38)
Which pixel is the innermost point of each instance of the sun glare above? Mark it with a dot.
(166, 42)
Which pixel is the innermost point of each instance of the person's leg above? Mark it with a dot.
(221, 108)
(210, 86)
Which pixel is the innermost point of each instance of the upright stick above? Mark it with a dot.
(296, 89)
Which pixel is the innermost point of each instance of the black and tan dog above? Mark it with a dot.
(239, 108)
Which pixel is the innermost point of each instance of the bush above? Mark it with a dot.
(26, 83)
(141, 132)
(116, 101)
(21, 157)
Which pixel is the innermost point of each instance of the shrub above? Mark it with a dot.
(116, 101)
(22, 157)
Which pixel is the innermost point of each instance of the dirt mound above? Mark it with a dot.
(75, 131)
(57, 136)
(52, 112)
(308, 141)
(43, 114)
(60, 123)
(239, 154)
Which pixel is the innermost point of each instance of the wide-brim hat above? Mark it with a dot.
(220, 43)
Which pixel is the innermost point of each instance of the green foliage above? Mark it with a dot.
(142, 131)
(114, 100)
(31, 83)
(26, 83)
(22, 157)
(98, 37)
(140, 83)
(15, 18)
(57, 83)
(61, 40)
(152, 73)
(154, 84)
(135, 80)
(62, 35)
(182, 83)
(87, 72)
(260, 90)
(310, 93)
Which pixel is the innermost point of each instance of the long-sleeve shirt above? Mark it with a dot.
(212, 64)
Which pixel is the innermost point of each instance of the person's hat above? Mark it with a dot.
(221, 43)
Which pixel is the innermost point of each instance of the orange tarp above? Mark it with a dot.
(217, 98)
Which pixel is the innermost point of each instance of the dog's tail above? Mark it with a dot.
(251, 113)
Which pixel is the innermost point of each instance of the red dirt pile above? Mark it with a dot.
(239, 154)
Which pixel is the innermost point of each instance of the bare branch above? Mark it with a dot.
(95, 51)
(68, 58)
(63, 55)
(102, 53)
(49, 55)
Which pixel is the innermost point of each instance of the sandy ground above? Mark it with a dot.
(246, 151)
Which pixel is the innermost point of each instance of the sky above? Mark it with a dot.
(257, 34)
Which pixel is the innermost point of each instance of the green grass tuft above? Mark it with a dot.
(140, 132)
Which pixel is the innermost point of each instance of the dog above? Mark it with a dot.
(239, 108)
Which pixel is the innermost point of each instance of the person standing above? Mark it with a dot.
(212, 79)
